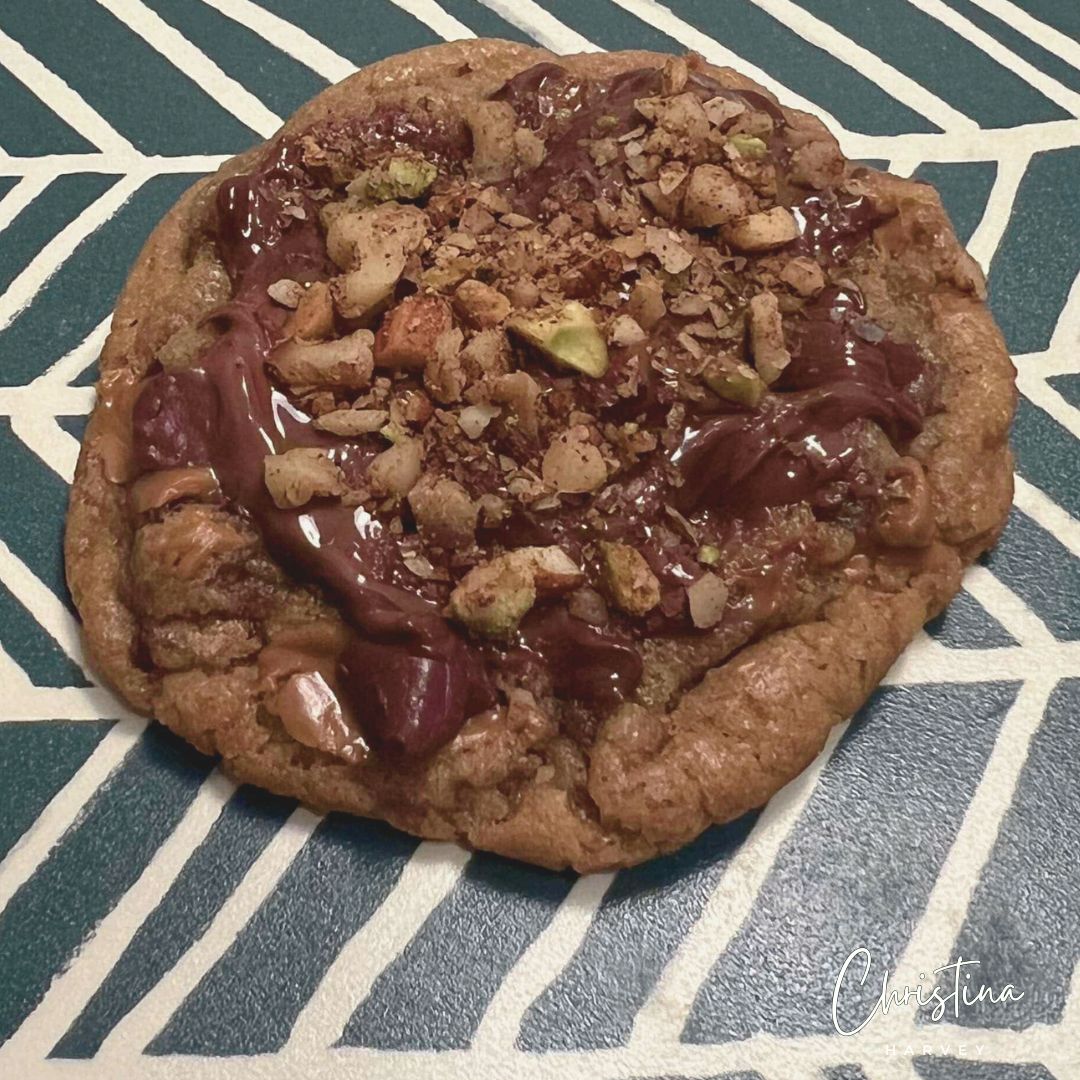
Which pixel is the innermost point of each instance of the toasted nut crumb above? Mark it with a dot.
(646, 304)
(764, 231)
(479, 304)
(520, 392)
(396, 470)
(491, 599)
(345, 363)
(350, 422)
(804, 275)
(445, 512)
(552, 570)
(714, 197)
(492, 124)
(625, 331)
(409, 332)
(628, 580)
(313, 319)
(297, 476)
(708, 598)
(444, 373)
(767, 337)
(285, 292)
(720, 110)
(666, 246)
(356, 237)
(474, 419)
(572, 463)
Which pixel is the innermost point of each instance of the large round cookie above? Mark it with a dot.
(543, 457)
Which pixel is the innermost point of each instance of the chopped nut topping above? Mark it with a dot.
(804, 275)
(764, 231)
(345, 363)
(734, 381)
(569, 336)
(313, 319)
(400, 176)
(767, 337)
(445, 512)
(714, 197)
(474, 419)
(572, 463)
(409, 332)
(285, 292)
(630, 583)
(708, 597)
(395, 471)
(480, 304)
(666, 246)
(351, 422)
(492, 124)
(297, 476)
(625, 331)
(646, 304)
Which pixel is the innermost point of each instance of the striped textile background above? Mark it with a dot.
(155, 921)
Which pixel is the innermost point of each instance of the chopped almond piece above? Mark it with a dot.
(520, 392)
(285, 292)
(313, 319)
(804, 275)
(708, 597)
(529, 147)
(762, 232)
(444, 373)
(668, 248)
(395, 471)
(410, 330)
(646, 305)
(552, 570)
(625, 331)
(354, 237)
(445, 512)
(630, 583)
(297, 476)
(345, 363)
(714, 197)
(572, 463)
(767, 337)
(480, 304)
(349, 422)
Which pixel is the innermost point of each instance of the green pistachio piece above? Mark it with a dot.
(734, 381)
(708, 554)
(749, 146)
(569, 337)
(398, 177)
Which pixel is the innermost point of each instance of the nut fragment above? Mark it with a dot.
(400, 176)
(572, 463)
(628, 580)
(355, 237)
(313, 319)
(350, 422)
(491, 599)
(764, 231)
(734, 381)
(396, 470)
(407, 336)
(569, 337)
(708, 598)
(804, 275)
(668, 248)
(625, 331)
(445, 512)
(519, 391)
(474, 419)
(480, 304)
(285, 292)
(713, 197)
(492, 124)
(767, 337)
(646, 304)
(345, 363)
(297, 476)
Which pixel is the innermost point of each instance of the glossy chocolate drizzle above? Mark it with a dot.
(414, 676)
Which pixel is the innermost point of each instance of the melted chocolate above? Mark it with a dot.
(412, 675)
(803, 440)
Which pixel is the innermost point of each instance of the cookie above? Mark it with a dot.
(541, 453)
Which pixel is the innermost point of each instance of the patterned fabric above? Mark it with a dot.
(156, 921)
